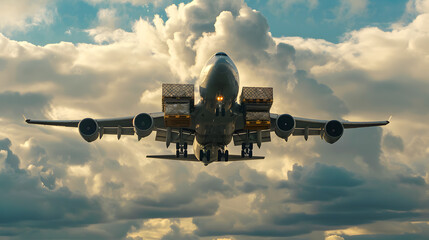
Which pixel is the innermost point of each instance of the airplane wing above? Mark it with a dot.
(303, 127)
(192, 158)
(115, 126)
(315, 124)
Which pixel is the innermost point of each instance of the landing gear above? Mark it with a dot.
(220, 110)
(182, 149)
(205, 155)
(247, 150)
(222, 155)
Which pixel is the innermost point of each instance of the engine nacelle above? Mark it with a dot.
(143, 125)
(285, 125)
(333, 131)
(88, 129)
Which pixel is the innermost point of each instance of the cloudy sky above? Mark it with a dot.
(341, 59)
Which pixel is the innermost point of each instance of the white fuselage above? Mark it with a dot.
(215, 115)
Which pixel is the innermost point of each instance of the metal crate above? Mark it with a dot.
(263, 95)
(177, 94)
(257, 120)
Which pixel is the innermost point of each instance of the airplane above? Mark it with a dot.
(213, 123)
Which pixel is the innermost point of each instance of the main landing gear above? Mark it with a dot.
(222, 155)
(182, 150)
(247, 150)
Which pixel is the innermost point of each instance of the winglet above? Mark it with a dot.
(25, 119)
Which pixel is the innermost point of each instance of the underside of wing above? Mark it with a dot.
(192, 158)
(331, 131)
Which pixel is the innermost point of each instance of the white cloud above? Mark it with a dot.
(156, 3)
(23, 14)
(334, 237)
(331, 187)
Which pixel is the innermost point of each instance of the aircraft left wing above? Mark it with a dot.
(117, 126)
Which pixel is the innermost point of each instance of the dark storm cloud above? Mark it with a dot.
(25, 203)
(393, 143)
(176, 234)
(320, 183)
(14, 104)
(188, 199)
(339, 198)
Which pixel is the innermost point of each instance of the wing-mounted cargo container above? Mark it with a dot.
(177, 104)
(256, 103)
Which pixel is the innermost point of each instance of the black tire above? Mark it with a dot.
(219, 155)
(185, 145)
(185, 153)
(177, 146)
(226, 155)
(201, 155)
(243, 146)
(242, 153)
(208, 155)
(250, 154)
(217, 112)
(223, 112)
(177, 153)
(251, 146)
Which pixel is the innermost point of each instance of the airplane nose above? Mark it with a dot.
(222, 66)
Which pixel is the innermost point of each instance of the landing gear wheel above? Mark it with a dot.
(185, 153)
(219, 155)
(242, 153)
(201, 155)
(226, 155)
(251, 146)
(250, 154)
(217, 112)
(208, 155)
(177, 146)
(223, 112)
(177, 153)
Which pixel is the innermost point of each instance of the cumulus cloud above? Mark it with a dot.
(21, 15)
(156, 3)
(112, 191)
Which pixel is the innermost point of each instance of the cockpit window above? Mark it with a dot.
(221, 54)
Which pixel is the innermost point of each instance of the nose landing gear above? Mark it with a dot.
(205, 156)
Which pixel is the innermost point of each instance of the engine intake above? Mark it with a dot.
(333, 131)
(143, 125)
(88, 129)
(285, 125)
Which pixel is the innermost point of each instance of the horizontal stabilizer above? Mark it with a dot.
(192, 158)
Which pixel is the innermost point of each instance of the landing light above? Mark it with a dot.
(219, 98)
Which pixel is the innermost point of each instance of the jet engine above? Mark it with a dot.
(333, 131)
(88, 129)
(143, 125)
(285, 125)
